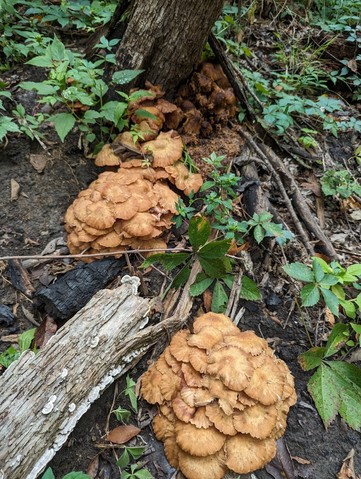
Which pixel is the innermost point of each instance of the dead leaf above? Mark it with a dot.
(207, 300)
(45, 331)
(329, 317)
(14, 190)
(347, 470)
(122, 434)
(301, 460)
(38, 162)
(93, 467)
(352, 65)
(356, 215)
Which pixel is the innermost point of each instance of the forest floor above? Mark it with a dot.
(32, 218)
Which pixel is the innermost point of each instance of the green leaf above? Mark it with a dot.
(41, 88)
(358, 301)
(122, 414)
(76, 475)
(337, 338)
(349, 308)
(215, 249)
(198, 231)
(219, 298)
(354, 269)
(25, 339)
(48, 474)
(41, 61)
(229, 279)
(323, 389)
(215, 268)
(299, 271)
(145, 114)
(136, 451)
(9, 356)
(329, 280)
(63, 123)
(310, 295)
(259, 233)
(249, 289)
(168, 260)
(124, 459)
(326, 268)
(331, 300)
(199, 286)
(182, 277)
(143, 474)
(318, 271)
(312, 358)
(125, 76)
(7, 125)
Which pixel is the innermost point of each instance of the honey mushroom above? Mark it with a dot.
(224, 410)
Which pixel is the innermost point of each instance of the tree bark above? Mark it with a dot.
(165, 38)
(44, 395)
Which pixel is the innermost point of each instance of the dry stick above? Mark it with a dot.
(282, 189)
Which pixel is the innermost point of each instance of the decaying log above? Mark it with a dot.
(45, 394)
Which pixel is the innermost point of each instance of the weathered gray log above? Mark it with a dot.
(44, 395)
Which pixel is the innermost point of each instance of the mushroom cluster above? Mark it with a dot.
(208, 101)
(131, 207)
(223, 399)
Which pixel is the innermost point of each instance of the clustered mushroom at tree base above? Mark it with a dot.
(223, 399)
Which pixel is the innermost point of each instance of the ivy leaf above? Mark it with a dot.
(215, 268)
(249, 290)
(199, 230)
(219, 298)
(48, 474)
(168, 260)
(125, 76)
(182, 277)
(337, 339)
(299, 271)
(64, 123)
(336, 388)
(312, 358)
(199, 286)
(25, 339)
(215, 249)
(310, 295)
(259, 233)
(331, 300)
(323, 389)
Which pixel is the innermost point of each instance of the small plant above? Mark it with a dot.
(12, 353)
(48, 474)
(216, 266)
(336, 385)
(133, 471)
(340, 183)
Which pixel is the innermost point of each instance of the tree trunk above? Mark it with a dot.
(165, 38)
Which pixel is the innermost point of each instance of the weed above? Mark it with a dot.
(48, 474)
(340, 184)
(12, 353)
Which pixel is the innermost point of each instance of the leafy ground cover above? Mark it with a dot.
(298, 69)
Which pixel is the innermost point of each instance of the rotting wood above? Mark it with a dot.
(44, 395)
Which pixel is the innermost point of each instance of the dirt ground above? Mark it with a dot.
(30, 222)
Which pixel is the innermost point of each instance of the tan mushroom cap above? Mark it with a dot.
(267, 382)
(167, 199)
(196, 397)
(150, 381)
(248, 341)
(109, 240)
(198, 441)
(206, 338)
(198, 359)
(183, 179)
(172, 451)
(200, 419)
(232, 366)
(245, 454)
(162, 427)
(209, 467)
(142, 224)
(97, 215)
(219, 321)
(192, 377)
(166, 149)
(181, 409)
(258, 421)
(179, 347)
(221, 421)
(141, 114)
(107, 157)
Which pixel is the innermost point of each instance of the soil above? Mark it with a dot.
(35, 218)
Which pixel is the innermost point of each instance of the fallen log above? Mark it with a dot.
(45, 394)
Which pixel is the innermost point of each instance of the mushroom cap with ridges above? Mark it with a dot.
(209, 467)
(179, 347)
(198, 441)
(221, 421)
(107, 157)
(216, 320)
(166, 149)
(245, 454)
(248, 341)
(258, 421)
(267, 382)
(162, 427)
(206, 338)
(232, 366)
(198, 359)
